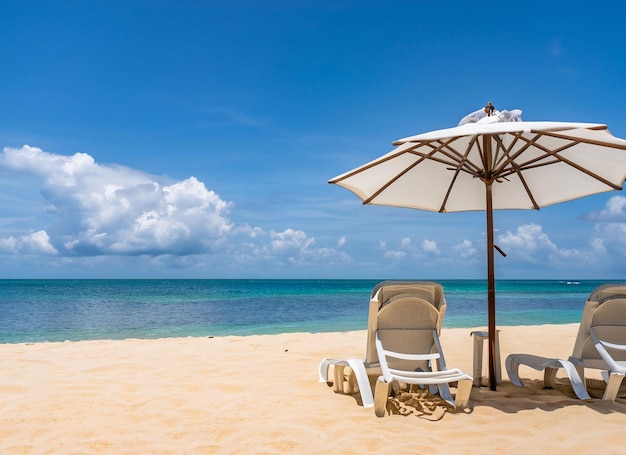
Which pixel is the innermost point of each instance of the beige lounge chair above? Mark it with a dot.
(409, 352)
(585, 354)
(353, 375)
(608, 334)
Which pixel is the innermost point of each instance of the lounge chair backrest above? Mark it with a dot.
(406, 324)
(596, 299)
(388, 291)
(609, 324)
(605, 291)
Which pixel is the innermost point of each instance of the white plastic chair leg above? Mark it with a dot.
(381, 393)
(550, 366)
(360, 375)
(613, 385)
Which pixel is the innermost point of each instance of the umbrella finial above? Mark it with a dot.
(489, 109)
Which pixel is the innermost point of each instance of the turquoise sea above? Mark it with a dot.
(58, 310)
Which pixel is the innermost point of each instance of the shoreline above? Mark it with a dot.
(260, 394)
(246, 335)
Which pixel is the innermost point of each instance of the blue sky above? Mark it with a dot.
(195, 139)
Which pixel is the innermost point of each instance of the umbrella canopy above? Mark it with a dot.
(491, 165)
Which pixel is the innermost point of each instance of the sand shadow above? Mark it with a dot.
(509, 398)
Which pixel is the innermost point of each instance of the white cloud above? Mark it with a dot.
(531, 245)
(8, 245)
(105, 209)
(100, 210)
(465, 249)
(526, 240)
(290, 240)
(614, 211)
(430, 246)
(31, 243)
(38, 242)
(395, 255)
(610, 238)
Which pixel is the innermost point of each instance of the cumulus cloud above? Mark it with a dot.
(395, 255)
(610, 238)
(99, 210)
(527, 239)
(530, 244)
(290, 240)
(30, 243)
(614, 211)
(430, 246)
(465, 249)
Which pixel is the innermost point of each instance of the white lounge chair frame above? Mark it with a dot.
(351, 383)
(358, 378)
(608, 334)
(440, 378)
(617, 368)
(585, 353)
(550, 368)
(411, 324)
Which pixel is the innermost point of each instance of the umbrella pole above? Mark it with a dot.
(491, 290)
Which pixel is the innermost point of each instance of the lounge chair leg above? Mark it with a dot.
(512, 369)
(612, 388)
(381, 393)
(339, 378)
(350, 386)
(463, 391)
(445, 394)
(581, 373)
(549, 377)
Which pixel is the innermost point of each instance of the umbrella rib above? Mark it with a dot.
(518, 171)
(455, 159)
(511, 157)
(556, 156)
(534, 163)
(393, 180)
(585, 140)
(459, 168)
(366, 167)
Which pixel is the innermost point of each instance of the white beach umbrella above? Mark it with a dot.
(491, 165)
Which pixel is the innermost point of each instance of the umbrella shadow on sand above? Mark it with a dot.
(511, 399)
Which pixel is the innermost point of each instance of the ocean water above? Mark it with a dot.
(58, 310)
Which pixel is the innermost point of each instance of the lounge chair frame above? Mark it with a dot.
(587, 353)
(352, 375)
(425, 351)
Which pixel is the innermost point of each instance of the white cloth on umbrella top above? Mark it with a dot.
(480, 116)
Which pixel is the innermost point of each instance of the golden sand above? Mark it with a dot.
(260, 394)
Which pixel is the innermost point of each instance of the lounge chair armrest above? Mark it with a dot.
(360, 373)
(550, 365)
(601, 345)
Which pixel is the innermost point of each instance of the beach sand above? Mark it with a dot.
(260, 394)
